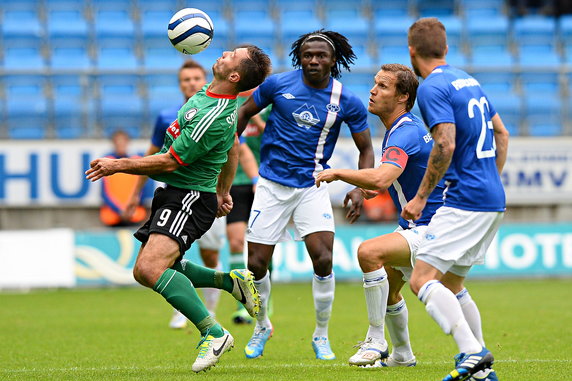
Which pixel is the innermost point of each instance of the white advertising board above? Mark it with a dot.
(37, 258)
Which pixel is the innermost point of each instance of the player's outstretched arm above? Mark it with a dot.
(438, 163)
(148, 165)
(135, 197)
(245, 112)
(501, 135)
(379, 178)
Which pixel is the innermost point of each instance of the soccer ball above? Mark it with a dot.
(190, 30)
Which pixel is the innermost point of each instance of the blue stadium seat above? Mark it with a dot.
(292, 28)
(70, 53)
(20, 5)
(356, 30)
(364, 61)
(23, 58)
(539, 57)
(392, 31)
(391, 8)
(113, 5)
(154, 22)
(482, 8)
(488, 31)
(116, 53)
(121, 106)
(565, 28)
(535, 30)
(492, 56)
(456, 58)
(394, 54)
(67, 23)
(163, 92)
(162, 58)
(496, 81)
(299, 5)
(436, 8)
(24, 23)
(115, 23)
(454, 27)
(536, 83)
(256, 27)
(509, 107)
(169, 6)
(26, 119)
(238, 6)
(544, 115)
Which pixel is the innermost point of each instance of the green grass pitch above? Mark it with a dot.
(122, 334)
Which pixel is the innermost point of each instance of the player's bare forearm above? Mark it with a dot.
(362, 141)
(247, 161)
(369, 178)
(439, 159)
(501, 136)
(147, 165)
(228, 170)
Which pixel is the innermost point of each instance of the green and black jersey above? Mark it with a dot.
(199, 140)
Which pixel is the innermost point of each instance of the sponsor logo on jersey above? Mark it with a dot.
(332, 107)
(189, 115)
(288, 96)
(306, 116)
(174, 129)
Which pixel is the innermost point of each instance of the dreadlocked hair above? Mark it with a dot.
(343, 52)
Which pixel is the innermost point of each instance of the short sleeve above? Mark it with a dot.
(195, 140)
(356, 115)
(405, 138)
(435, 103)
(492, 110)
(264, 94)
(158, 137)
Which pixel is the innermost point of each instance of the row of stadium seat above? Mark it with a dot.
(84, 106)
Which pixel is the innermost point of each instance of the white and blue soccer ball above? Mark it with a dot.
(190, 30)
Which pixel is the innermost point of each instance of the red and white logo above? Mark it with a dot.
(174, 129)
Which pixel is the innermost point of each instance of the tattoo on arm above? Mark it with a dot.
(439, 159)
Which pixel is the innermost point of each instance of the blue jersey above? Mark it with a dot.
(164, 120)
(407, 144)
(449, 95)
(303, 126)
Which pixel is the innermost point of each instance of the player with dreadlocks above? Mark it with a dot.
(308, 107)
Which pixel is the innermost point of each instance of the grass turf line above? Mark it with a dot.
(122, 334)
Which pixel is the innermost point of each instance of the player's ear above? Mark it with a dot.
(403, 98)
(234, 77)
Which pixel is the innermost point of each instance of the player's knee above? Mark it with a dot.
(415, 284)
(236, 245)
(369, 257)
(257, 266)
(323, 264)
(145, 273)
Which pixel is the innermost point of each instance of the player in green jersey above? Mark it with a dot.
(200, 147)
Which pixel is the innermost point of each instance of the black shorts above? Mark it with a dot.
(182, 214)
(242, 198)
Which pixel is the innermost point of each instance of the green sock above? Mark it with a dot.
(236, 261)
(204, 277)
(180, 293)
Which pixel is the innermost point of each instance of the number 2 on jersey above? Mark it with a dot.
(486, 125)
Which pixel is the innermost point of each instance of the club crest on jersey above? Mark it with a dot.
(189, 115)
(306, 116)
(332, 107)
(174, 129)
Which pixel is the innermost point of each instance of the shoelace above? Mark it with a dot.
(361, 344)
(322, 343)
(257, 337)
(204, 343)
